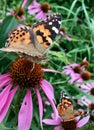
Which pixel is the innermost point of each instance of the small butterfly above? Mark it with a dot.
(34, 42)
(66, 110)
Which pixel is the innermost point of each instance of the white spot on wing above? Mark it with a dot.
(50, 23)
(59, 22)
(55, 29)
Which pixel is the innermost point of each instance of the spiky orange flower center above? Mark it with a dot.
(45, 7)
(26, 73)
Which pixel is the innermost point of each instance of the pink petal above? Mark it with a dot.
(49, 70)
(77, 118)
(4, 96)
(31, 7)
(4, 83)
(25, 113)
(33, 11)
(4, 76)
(47, 88)
(40, 15)
(9, 100)
(49, 92)
(51, 122)
(34, 5)
(58, 128)
(24, 3)
(74, 78)
(58, 118)
(53, 107)
(83, 121)
(40, 105)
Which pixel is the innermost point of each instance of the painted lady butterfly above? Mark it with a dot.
(66, 110)
(35, 41)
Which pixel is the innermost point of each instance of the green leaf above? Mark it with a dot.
(8, 24)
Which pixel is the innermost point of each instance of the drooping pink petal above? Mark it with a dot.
(24, 3)
(26, 112)
(40, 105)
(47, 88)
(74, 78)
(51, 122)
(49, 70)
(33, 11)
(77, 118)
(4, 96)
(53, 107)
(58, 128)
(84, 101)
(6, 106)
(4, 76)
(83, 121)
(49, 92)
(59, 119)
(34, 4)
(4, 83)
(41, 15)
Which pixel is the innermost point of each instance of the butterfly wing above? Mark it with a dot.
(22, 40)
(46, 31)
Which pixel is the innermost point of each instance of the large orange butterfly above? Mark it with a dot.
(35, 41)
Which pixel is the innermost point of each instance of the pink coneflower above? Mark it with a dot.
(39, 9)
(27, 76)
(69, 125)
(18, 13)
(78, 72)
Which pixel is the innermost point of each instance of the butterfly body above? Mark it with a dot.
(34, 41)
(66, 110)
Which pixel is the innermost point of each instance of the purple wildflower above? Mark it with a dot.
(39, 9)
(18, 13)
(78, 72)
